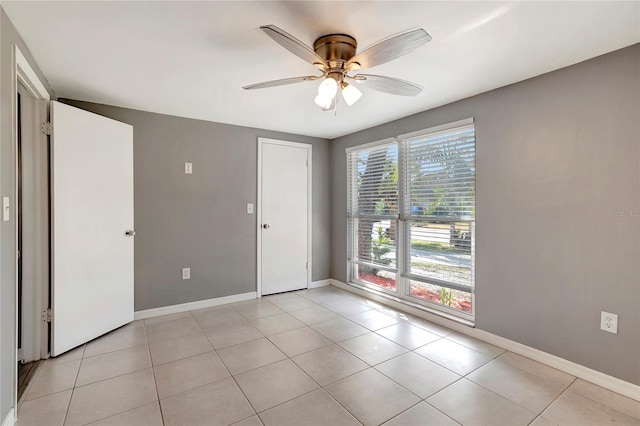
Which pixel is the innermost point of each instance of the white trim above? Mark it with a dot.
(436, 129)
(309, 149)
(10, 419)
(199, 304)
(321, 283)
(606, 381)
(259, 224)
(29, 77)
(21, 71)
(387, 141)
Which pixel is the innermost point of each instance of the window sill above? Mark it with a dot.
(409, 304)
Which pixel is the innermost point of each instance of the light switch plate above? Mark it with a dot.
(186, 273)
(249, 208)
(188, 168)
(6, 209)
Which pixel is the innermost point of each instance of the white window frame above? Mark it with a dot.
(352, 204)
(403, 244)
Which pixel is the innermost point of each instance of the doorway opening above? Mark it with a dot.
(30, 214)
(32, 236)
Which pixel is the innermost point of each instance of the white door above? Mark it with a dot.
(92, 210)
(285, 209)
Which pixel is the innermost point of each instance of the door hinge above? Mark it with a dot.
(46, 315)
(46, 128)
(306, 265)
(307, 163)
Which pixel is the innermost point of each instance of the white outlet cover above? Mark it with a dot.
(188, 168)
(186, 273)
(609, 322)
(249, 208)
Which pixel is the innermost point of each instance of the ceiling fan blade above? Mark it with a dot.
(389, 49)
(293, 45)
(281, 82)
(391, 85)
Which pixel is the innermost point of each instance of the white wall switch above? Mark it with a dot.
(186, 273)
(249, 208)
(188, 168)
(6, 209)
(609, 322)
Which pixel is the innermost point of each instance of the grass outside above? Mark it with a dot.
(445, 225)
(434, 246)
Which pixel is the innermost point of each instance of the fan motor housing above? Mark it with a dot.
(335, 48)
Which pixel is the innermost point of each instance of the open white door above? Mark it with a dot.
(285, 216)
(92, 212)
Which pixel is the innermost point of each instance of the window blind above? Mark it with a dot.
(439, 207)
(373, 206)
(441, 174)
(411, 216)
(373, 173)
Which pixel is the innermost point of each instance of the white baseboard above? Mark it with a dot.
(606, 381)
(10, 419)
(321, 283)
(200, 304)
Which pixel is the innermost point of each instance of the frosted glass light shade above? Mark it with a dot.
(351, 94)
(326, 93)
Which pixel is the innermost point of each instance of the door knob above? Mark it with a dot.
(130, 233)
(265, 226)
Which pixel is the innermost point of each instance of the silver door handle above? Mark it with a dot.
(130, 233)
(265, 226)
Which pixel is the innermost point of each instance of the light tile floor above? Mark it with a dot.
(312, 357)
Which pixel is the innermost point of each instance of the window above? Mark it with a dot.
(373, 215)
(412, 217)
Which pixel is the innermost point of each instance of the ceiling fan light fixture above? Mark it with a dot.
(350, 93)
(335, 55)
(326, 93)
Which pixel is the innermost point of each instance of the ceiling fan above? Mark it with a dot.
(335, 55)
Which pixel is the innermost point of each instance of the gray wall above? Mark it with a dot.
(200, 221)
(8, 37)
(554, 153)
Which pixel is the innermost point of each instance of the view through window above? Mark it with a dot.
(412, 217)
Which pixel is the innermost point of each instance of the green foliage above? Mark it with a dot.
(433, 246)
(380, 247)
(446, 296)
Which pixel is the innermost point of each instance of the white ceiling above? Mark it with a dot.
(191, 59)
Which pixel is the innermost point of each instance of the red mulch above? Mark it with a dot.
(417, 291)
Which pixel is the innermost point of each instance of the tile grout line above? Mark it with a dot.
(230, 375)
(440, 411)
(73, 389)
(554, 399)
(320, 387)
(124, 374)
(153, 372)
(514, 402)
(331, 343)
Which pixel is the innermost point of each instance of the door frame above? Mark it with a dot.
(308, 147)
(23, 73)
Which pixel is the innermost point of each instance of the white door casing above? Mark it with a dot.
(284, 216)
(92, 208)
(35, 227)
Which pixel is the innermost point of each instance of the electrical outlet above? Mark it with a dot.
(609, 322)
(188, 168)
(186, 273)
(249, 208)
